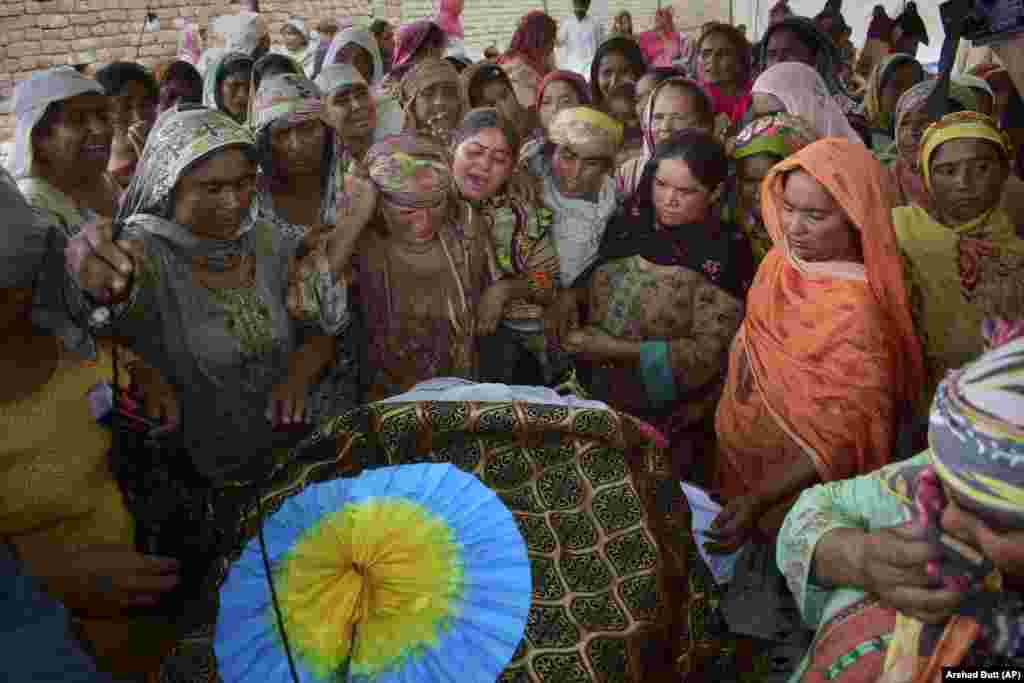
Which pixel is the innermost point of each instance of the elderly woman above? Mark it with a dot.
(291, 141)
(763, 143)
(618, 60)
(530, 55)
(826, 365)
(795, 88)
(61, 511)
(894, 75)
(674, 105)
(207, 306)
(433, 99)
(298, 45)
(665, 296)
(797, 39)
(964, 253)
(419, 267)
(577, 184)
(227, 85)
(921, 559)
(181, 83)
(724, 56)
(488, 85)
(62, 148)
(416, 41)
(134, 95)
(525, 262)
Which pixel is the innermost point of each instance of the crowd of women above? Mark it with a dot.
(769, 277)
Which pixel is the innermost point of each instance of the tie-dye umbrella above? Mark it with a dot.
(404, 574)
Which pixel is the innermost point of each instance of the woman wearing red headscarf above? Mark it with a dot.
(529, 56)
(662, 46)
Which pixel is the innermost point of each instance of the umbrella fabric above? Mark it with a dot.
(409, 573)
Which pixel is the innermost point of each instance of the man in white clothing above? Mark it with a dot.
(579, 36)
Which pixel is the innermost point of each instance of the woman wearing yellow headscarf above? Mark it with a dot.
(964, 255)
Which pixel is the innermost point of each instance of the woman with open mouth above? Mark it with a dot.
(525, 262)
(963, 249)
(433, 99)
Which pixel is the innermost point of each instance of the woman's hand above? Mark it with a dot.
(893, 567)
(103, 581)
(592, 343)
(1005, 549)
(159, 398)
(734, 524)
(288, 403)
(100, 266)
(491, 308)
(562, 316)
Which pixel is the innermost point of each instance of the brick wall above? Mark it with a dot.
(35, 34)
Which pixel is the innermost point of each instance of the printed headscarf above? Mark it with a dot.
(589, 129)
(804, 93)
(409, 40)
(32, 97)
(876, 84)
(284, 101)
(976, 433)
(962, 125)
(410, 171)
(577, 81)
(424, 74)
(181, 138)
(780, 135)
(217, 72)
(361, 36)
(916, 98)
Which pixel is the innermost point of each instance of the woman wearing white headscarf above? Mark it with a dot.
(299, 45)
(355, 45)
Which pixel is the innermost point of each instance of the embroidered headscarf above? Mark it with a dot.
(32, 98)
(426, 73)
(181, 138)
(362, 37)
(583, 128)
(876, 84)
(804, 93)
(410, 171)
(961, 125)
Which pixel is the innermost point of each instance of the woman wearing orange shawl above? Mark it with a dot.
(826, 363)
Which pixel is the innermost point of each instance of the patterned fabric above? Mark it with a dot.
(879, 77)
(778, 135)
(843, 415)
(587, 129)
(804, 93)
(284, 101)
(852, 646)
(964, 125)
(410, 171)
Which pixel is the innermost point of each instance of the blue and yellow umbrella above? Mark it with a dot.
(407, 574)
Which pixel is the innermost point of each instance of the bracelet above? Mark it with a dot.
(540, 284)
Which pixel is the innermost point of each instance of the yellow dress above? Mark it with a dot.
(57, 496)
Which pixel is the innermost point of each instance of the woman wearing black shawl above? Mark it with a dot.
(666, 296)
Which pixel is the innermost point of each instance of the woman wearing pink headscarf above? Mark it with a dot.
(448, 15)
(798, 89)
(416, 41)
(662, 46)
(529, 55)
